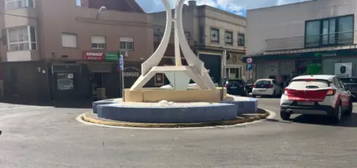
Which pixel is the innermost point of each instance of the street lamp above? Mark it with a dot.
(100, 11)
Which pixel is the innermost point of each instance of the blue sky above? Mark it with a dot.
(235, 6)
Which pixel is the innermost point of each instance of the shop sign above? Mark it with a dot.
(314, 69)
(112, 56)
(93, 55)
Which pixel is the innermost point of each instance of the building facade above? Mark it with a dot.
(313, 37)
(59, 50)
(217, 37)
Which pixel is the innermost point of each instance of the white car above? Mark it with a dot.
(316, 95)
(266, 87)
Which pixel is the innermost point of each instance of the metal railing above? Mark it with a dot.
(312, 41)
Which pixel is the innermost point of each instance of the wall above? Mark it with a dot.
(215, 18)
(26, 82)
(65, 17)
(265, 69)
(289, 20)
(329, 64)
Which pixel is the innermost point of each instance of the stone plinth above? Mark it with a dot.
(191, 95)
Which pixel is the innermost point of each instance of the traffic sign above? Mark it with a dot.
(249, 60)
(121, 62)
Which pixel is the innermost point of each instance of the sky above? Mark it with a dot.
(234, 6)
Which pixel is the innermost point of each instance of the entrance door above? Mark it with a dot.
(213, 64)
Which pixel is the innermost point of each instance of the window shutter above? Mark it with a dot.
(98, 39)
(69, 40)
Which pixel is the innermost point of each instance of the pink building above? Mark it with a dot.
(56, 49)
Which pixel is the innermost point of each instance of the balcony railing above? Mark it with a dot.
(314, 41)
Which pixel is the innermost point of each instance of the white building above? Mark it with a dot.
(303, 38)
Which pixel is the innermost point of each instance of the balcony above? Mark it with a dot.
(311, 43)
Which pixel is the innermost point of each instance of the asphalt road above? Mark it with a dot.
(48, 137)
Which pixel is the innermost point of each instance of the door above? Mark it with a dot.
(64, 85)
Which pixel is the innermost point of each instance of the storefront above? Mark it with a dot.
(322, 62)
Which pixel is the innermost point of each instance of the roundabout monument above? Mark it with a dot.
(182, 102)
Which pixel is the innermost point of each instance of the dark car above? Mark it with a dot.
(350, 85)
(236, 87)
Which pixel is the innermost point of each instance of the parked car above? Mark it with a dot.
(266, 87)
(350, 85)
(236, 87)
(316, 95)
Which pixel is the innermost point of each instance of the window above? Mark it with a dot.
(17, 4)
(78, 3)
(330, 31)
(345, 30)
(22, 38)
(98, 42)
(234, 73)
(126, 44)
(214, 35)
(69, 40)
(241, 39)
(312, 34)
(65, 81)
(228, 37)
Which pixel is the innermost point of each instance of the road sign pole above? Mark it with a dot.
(121, 65)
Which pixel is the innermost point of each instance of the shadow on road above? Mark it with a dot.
(348, 121)
(57, 104)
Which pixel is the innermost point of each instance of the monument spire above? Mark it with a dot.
(178, 75)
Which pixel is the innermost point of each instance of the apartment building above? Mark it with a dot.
(217, 37)
(312, 37)
(67, 49)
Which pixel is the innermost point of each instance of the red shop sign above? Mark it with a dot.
(93, 55)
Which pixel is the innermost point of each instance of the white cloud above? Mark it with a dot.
(234, 6)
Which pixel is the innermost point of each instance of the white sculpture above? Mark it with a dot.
(178, 75)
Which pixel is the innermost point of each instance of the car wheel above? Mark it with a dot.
(338, 114)
(254, 96)
(284, 115)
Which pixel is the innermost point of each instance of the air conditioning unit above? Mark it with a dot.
(343, 69)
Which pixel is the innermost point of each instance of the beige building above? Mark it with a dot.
(217, 36)
(60, 49)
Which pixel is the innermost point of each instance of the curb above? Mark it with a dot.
(87, 117)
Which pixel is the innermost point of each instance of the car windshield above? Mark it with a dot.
(349, 80)
(308, 84)
(263, 82)
(235, 82)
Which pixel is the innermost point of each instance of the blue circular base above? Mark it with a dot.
(115, 109)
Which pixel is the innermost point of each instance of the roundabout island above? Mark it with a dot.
(191, 99)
